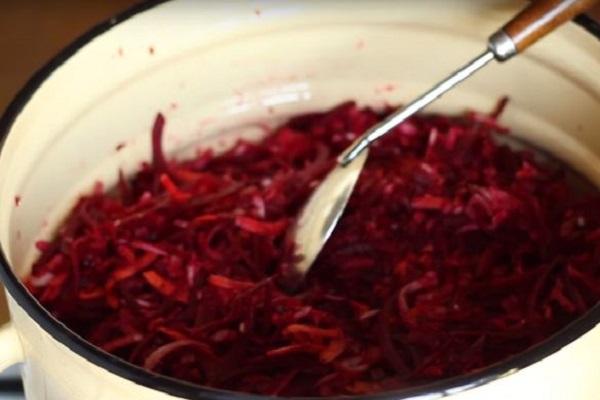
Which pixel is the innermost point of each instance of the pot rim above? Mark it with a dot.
(190, 391)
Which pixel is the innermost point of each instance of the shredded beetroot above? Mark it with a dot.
(454, 253)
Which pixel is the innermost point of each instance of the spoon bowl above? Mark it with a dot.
(320, 216)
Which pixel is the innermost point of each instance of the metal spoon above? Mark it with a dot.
(326, 205)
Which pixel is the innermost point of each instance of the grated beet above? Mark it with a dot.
(455, 252)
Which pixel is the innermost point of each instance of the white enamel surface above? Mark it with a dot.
(223, 65)
(10, 347)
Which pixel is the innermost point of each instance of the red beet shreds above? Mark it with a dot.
(455, 252)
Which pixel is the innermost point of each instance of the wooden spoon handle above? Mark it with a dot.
(534, 22)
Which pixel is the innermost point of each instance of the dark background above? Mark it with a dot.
(32, 31)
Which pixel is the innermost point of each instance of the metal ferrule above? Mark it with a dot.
(502, 46)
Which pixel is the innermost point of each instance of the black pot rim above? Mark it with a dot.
(190, 391)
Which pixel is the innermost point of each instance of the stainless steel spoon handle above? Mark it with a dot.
(415, 106)
(531, 24)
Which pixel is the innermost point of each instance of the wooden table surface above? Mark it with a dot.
(32, 31)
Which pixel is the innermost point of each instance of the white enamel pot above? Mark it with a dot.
(212, 66)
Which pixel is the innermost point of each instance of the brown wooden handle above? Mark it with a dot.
(542, 17)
